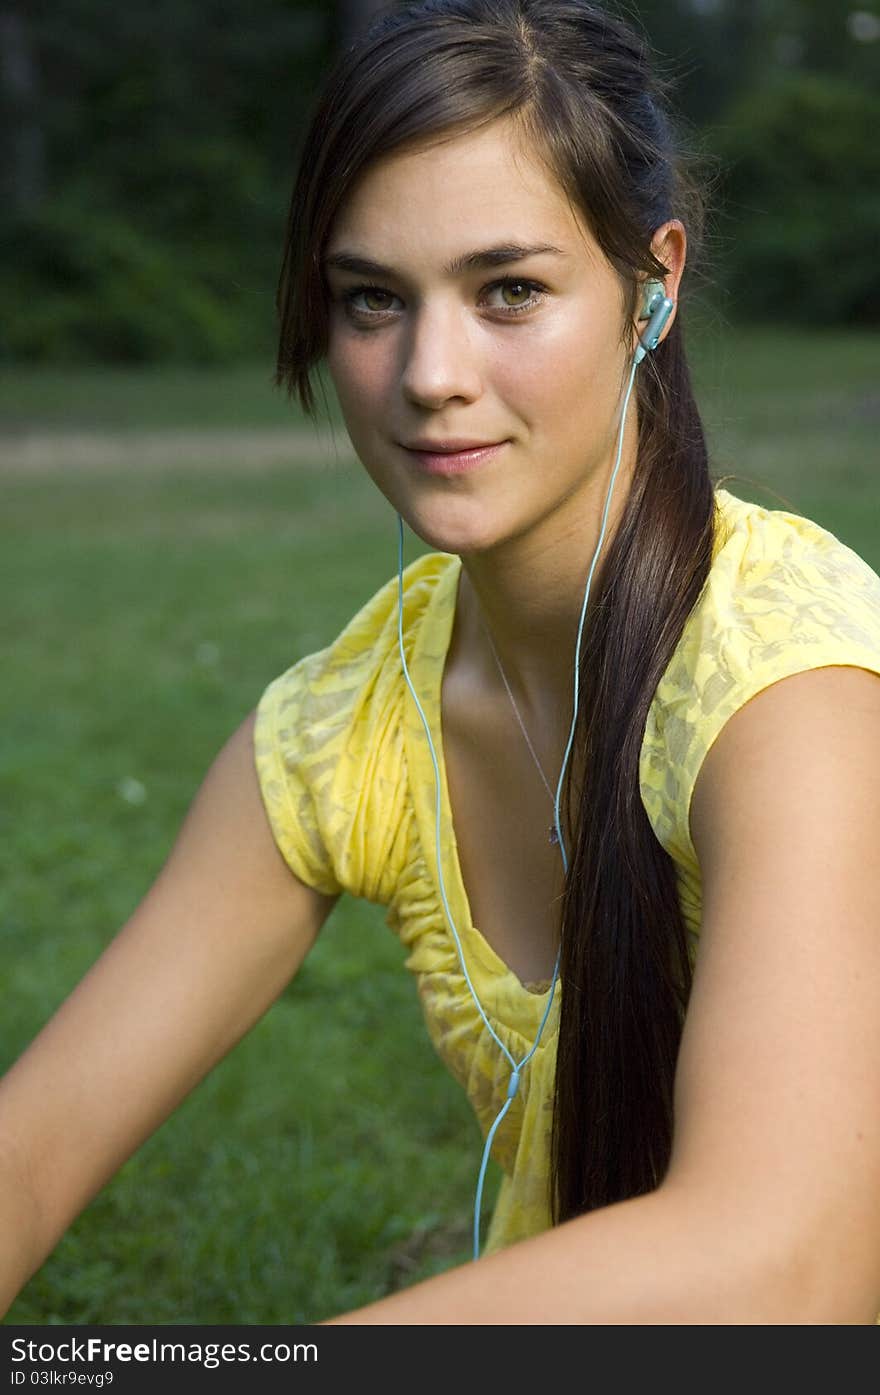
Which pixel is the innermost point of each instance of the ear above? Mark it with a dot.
(669, 245)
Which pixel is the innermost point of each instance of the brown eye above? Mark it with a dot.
(371, 295)
(515, 288)
(519, 295)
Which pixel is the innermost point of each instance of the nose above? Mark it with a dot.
(441, 358)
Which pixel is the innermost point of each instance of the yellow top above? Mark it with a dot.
(348, 782)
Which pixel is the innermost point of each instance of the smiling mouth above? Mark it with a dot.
(451, 446)
(454, 462)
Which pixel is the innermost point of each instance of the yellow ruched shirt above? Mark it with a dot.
(348, 783)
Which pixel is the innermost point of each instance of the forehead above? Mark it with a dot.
(481, 187)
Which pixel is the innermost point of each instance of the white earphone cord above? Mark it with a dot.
(658, 313)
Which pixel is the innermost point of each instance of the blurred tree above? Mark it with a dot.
(821, 36)
(150, 147)
(720, 48)
(142, 191)
(801, 187)
(24, 176)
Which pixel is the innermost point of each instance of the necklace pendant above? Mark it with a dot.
(554, 836)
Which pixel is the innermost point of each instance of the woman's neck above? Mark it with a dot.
(529, 593)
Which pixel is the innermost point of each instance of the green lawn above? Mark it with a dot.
(143, 614)
(120, 399)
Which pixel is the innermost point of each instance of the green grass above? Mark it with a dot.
(143, 615)
(797, 416)
(238, 397)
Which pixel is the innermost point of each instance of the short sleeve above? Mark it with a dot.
(783, 596)
(293, 758)
(330, 753)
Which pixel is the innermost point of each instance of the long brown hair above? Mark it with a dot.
(581, 82)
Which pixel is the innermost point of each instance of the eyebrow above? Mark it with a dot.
(469, 261)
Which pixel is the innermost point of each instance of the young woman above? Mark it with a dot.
(609, 752)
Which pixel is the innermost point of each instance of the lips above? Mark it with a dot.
(449, 446)
(437, 461)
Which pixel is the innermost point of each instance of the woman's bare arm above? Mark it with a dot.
(770, 1212)
(213, 943)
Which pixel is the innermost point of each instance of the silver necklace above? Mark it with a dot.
(552, 834)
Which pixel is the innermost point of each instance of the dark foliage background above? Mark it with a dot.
(148, 150)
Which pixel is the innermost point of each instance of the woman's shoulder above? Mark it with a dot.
(782, 592)
(781, 564)
(783, 595)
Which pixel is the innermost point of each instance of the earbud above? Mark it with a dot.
(652, 293)
(656, 309)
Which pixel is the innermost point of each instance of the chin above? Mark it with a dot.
(445, 534)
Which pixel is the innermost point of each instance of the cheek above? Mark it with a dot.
(361, 370)
(556, 375)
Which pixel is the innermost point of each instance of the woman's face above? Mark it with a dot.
(526, 350)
